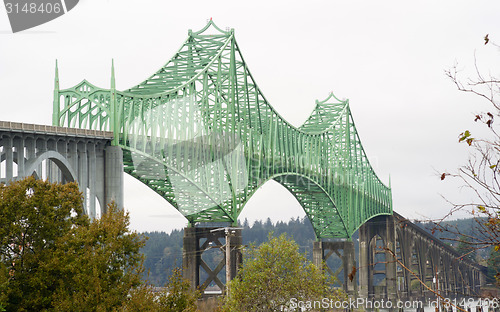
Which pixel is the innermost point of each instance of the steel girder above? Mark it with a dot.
(200, 133)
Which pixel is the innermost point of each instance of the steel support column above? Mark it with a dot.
(198, 240)
(322, 250)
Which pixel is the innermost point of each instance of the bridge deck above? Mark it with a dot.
(44, 129)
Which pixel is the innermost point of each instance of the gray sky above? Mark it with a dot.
(387, 57)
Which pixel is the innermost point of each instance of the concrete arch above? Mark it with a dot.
(61, 162)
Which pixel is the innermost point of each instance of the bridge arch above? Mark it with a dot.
(178, 107)
(62, 163)
(316, 202)
(313, 199)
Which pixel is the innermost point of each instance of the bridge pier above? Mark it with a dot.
(114, 175)
(322, 250)
(198, 240)
(377, 237)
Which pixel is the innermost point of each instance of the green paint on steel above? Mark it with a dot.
(200, 133)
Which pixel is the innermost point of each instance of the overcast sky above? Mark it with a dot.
(387, 57)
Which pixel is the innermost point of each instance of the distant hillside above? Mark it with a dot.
(467, 227)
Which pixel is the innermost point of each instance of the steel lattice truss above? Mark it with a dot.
(200, 133)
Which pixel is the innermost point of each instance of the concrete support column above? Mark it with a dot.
(365, 282)
(73, 157)
(83, 174)
(61, 149)
(445, 276)
(50, 166)
(41, 146)
(406, 250)
(9, 159)
(30, 151)
(19, 144)
(2, 151)
(99, 178)
(391, 264)
(113, 175)
(421, 249)
(92, 180)
(383, 226)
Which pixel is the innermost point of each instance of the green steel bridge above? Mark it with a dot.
(200, 133)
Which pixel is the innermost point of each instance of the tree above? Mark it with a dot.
(178, 295)
(494, 266)
(481, 174)
(175, 297)
(52, 257)
(34, 215)
(274, 273)
(100, 263)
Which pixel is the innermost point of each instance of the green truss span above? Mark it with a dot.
(200, 133)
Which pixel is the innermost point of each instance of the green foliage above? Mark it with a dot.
(466, 248)
(494, 267)
(178, 296)
(101, 263)
(459, 234)
(274, 273)
(34, 216)
(415, 285)
(465, 136)
(52, 258)
(163, 253)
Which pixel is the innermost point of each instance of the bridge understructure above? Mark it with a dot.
(345, 251)
(396, 257)
(201, 133)
(197, 241)
(64, 155)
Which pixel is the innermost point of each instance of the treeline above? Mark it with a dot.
(456, 233)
